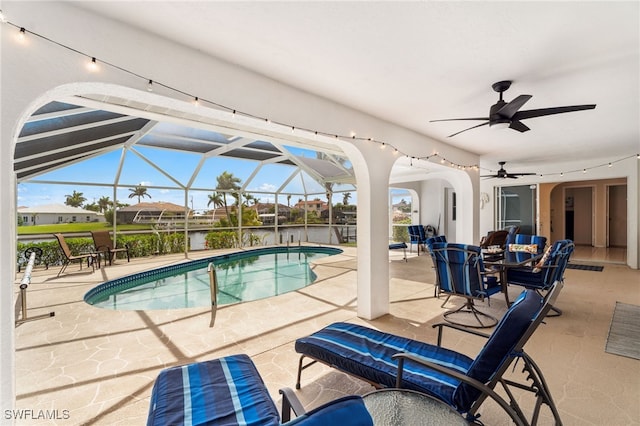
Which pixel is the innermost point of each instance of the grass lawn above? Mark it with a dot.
(76, 227)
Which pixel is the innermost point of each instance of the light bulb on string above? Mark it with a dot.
(3, 17)
(150, 86)
(196, 101)
(92, 65)
(22, 35)
(382, 145)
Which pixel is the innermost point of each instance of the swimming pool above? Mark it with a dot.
(242, 276)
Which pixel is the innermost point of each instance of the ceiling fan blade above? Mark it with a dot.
(473, 127)
(459, 119)
(519, 126)
(520, 174)
(512, 107)
(531, 113)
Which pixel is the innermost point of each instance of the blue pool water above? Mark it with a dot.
(242, 276)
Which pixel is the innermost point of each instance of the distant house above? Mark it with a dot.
(312, 205)
(266, 213)
(156, 212)
(51, 214)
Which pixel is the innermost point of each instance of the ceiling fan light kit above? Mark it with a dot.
(504, 114)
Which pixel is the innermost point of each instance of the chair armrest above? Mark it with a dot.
(290, 402)
(440, 326)
(401, 357)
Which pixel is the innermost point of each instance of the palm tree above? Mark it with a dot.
(139, 191)
(216, 200)
(345, 198)
(104, 203)
(75, 200)
(227, 181)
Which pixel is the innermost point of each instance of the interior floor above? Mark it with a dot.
(97, 366)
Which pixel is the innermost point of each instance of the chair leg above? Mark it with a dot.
(64, 266)
(302, 367)
(490, 321)
(538, 387)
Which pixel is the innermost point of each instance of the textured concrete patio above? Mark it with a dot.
(94, 366)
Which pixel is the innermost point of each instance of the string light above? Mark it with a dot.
(93, 66)
(22, 34)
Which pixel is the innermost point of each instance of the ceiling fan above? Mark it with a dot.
(507, 114)
(503, 174)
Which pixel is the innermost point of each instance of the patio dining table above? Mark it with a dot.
(501, 261)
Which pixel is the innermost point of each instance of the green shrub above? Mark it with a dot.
(140, 245)
(229, 239)
(401, 233)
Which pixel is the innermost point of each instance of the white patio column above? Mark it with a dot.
(373, 168)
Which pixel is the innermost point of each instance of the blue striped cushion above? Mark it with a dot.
(367, 353)
(459, 274)
(225, 391)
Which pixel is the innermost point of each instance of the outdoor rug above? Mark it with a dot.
(624, 333)
(585, 267)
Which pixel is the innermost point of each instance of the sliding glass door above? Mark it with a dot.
(516, 205)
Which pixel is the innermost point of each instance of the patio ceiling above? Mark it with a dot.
(61, 134)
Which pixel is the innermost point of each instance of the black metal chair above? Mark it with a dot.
(460, 272)
(541, 276)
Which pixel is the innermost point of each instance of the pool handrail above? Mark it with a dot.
(213, 286)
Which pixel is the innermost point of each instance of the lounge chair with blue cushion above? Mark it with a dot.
(373, 356)
(229, 391)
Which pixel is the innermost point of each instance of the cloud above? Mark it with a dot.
(267, 187)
